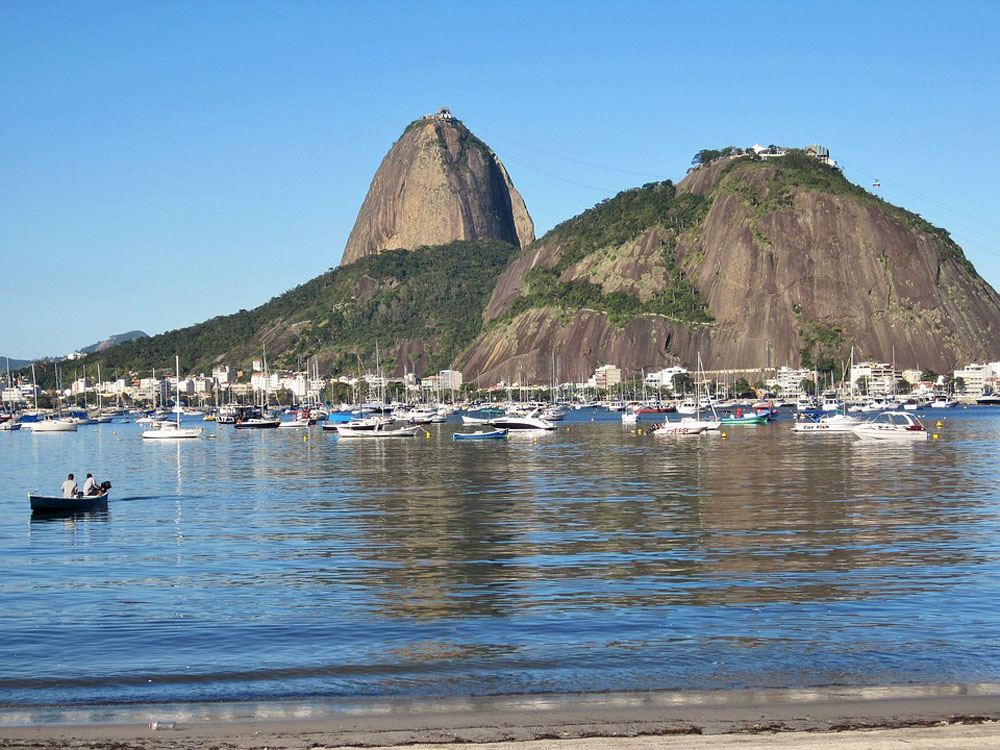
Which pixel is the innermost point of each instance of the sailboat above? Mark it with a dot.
(51, 424)
(172, 430)
(260, 420)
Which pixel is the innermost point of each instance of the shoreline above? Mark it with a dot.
(944, 716)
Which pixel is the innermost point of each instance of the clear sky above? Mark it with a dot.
(162, 163)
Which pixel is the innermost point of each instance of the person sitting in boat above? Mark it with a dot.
(90, 486)
(69, 488)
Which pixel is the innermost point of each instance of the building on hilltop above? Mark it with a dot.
(821, 153)
(442, 114)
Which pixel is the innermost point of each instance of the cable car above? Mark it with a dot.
(876, 183)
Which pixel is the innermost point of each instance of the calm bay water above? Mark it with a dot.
(259, 566)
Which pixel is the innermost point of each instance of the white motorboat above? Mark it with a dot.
(530, 421)
(691, 427)
(831, 423)
(943, 402)
(294, 424)
(892, 425)
(53, 425)
(10, 425)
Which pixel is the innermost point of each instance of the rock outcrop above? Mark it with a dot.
(438, 183)
(779, 262)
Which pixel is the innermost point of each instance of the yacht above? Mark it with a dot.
(829, 423)
(892, 426)
(530, 421)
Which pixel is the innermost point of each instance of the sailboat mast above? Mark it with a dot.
(177, 363)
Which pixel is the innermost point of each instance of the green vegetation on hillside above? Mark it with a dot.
(612, 223)
(822, 346)
(798, 170)
(434, 294)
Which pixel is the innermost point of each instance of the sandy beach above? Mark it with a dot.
(960, 718)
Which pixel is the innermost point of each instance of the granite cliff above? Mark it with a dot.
(438, 183)
(750, 263)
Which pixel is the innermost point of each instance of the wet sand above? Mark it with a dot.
(960, 718)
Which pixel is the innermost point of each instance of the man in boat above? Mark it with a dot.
(90, 486)
(69, 488)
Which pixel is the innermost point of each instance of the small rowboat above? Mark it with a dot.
(380, 431)
(493, 435)
(745, 419)
(59, 504)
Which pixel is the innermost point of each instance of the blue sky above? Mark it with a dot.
(165, 162)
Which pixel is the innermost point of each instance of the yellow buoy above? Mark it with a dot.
(939, 425)
(638, 432)
(935, 436)
(724, 436)
(305, 438)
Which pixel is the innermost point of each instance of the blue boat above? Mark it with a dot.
(493, 435)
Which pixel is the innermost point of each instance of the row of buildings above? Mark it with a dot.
(875, 379)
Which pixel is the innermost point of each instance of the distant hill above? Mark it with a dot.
(114, 340)
(749, 262)
(15, 364)
(421, 307)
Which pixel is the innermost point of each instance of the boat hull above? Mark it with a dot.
(172, 433)
(494, 435)
(53, 425)
(749, 419)
(402, 432)
(42, 504)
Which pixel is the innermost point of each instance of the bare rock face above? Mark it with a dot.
(438, 183)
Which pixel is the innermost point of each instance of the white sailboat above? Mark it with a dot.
(172, 430)
(50, 423)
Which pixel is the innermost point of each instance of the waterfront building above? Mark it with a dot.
(789, 379)
(664, 378)
(450, 380)
(978, 379)
(880, 377)
(607, 376)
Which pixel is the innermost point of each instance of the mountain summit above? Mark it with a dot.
(439, 183)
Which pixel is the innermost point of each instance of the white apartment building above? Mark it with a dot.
(790, 379)
(261, 382)
(607, 376)
(450, 380)
(224, 375)
(881, 377)
(977, 377)
(664, 378)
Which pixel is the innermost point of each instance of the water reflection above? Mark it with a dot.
(430, 565)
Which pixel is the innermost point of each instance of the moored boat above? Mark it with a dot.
(481, 435)
(892, 425)
(381, 430)
(59, 504)
(831, 423)
(530, 421)
(53, 425)
(680, 428)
